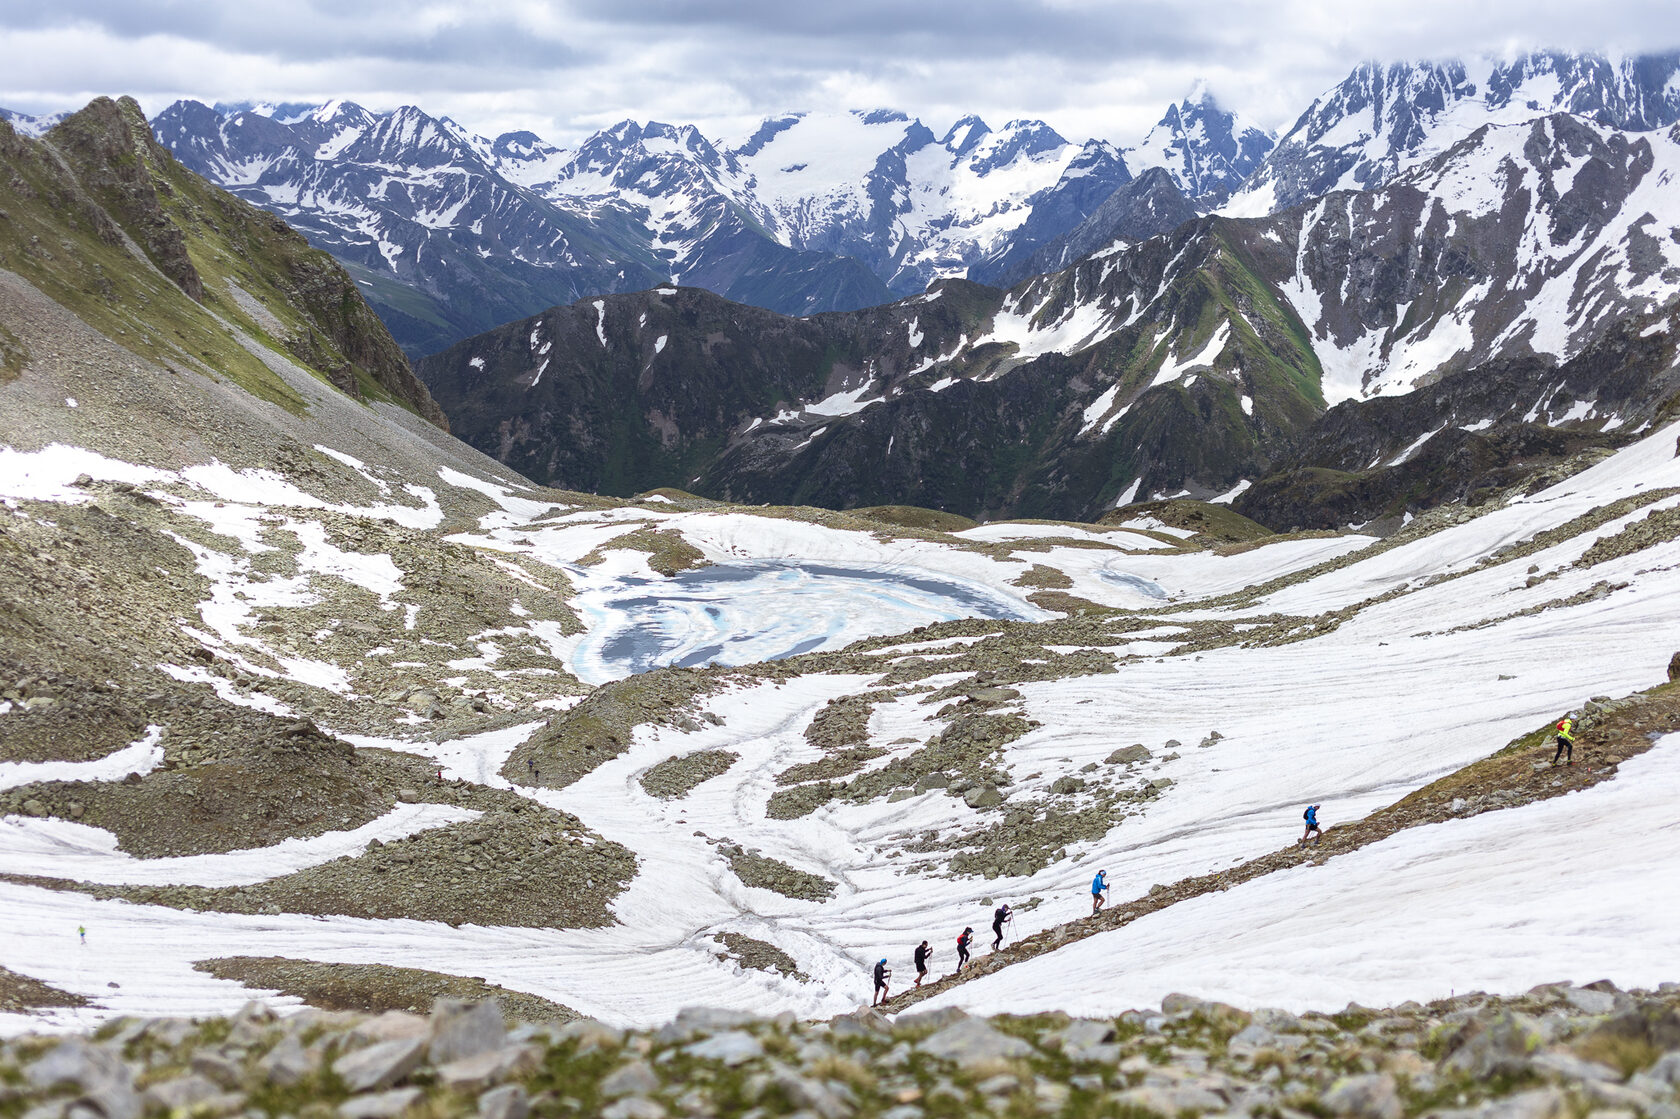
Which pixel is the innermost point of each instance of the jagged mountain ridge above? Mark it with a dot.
(450, 233)
(1188, 362)
(1382, 119)
(229, 267)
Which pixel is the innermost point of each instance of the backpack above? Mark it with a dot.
(1307, 815)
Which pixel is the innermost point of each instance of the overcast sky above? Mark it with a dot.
(564, 68)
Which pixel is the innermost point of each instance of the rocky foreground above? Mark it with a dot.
(1557, 1051)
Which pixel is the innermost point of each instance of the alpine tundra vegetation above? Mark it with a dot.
(1118, 506)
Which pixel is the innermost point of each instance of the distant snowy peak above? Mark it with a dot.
(1208, 151)
(1382, 119)
(32, 126)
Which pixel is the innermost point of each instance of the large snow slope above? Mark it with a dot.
(1354, 718)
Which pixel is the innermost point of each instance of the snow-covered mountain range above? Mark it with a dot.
(1194, 361)
(1382, 119)
(452, 232)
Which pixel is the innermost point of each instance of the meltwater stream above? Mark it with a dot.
(748, 612)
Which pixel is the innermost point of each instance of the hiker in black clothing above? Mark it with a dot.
(999, 919)
(922, 954)
(963, 942)
(882, 974)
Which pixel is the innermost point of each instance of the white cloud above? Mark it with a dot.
(563, 70)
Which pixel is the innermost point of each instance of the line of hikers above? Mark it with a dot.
(1002, 916)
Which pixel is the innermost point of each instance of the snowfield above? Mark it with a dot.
(1404, 690)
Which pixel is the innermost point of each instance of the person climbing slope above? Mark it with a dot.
(1313, 831)
(1000, 918)
(1565, 741)
(1099, 891)
(963, 942)
(883, 973)
(922, 954)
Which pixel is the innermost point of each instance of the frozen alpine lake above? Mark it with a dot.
(743, 613)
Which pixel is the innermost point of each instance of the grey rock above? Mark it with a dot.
(691, 1020)
(79, 1063)
(635, 1078)
(1503, 1045)
(483, 1069)
(633, 1107)
(182, 1092)
(732, 1047)
(223, 1070)
(380, 1105)
(1279, 1021)
(1183, 1004)
(104, 1080)
(465, 1029)
(1128, 754)
(831, 1101)
(1570, 1067)
(1002, 1084)
(1252, 1038)
(930, 1019)
(903, 1111)
(983, 796)
(166, 1031)
(1605, 1094)
(1667, 1069)
(1164, 1100)
(859, 1023)
(1365, 1097)
(381, 1065)
(1082, 1033)
(590, 1035)
(287, 1063)
(507, 1102)
(972, 1041)
(1541, 1103)
(393, 1025)
(1588, 1001)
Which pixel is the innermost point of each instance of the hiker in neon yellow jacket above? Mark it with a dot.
(1565, 741)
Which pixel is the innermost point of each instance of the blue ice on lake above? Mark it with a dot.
(744, 613)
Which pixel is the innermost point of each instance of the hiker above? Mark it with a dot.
(882, 974)
(1312, 832)
(999, 919)
(82, 930)
(1565, 741)
(922, 954)
(963, 942)
(1099, 891)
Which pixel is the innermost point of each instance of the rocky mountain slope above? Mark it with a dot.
(1527, 276)
(1385, 118)
(102, 220)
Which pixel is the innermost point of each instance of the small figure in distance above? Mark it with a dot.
(1565, 741)
(922, 954)
(1099, 891)
(1000, 917)
(81, 930)
(883, 974)
(963, 942)
(1313, 832)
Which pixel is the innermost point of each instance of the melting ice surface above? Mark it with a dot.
(743, 613)
(1148, 588)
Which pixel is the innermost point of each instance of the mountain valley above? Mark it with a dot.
(644, 648)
